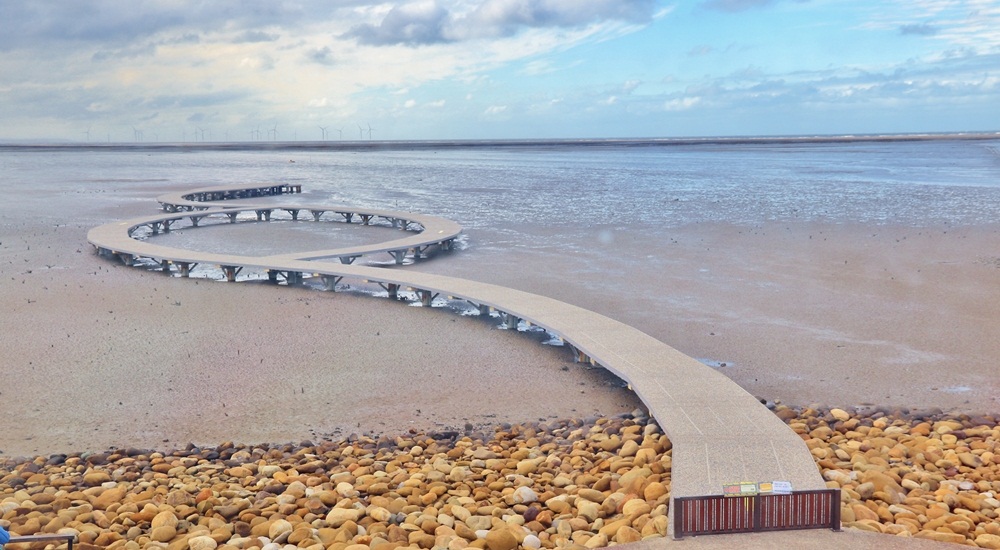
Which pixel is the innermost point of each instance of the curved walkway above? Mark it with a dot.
(720, 433)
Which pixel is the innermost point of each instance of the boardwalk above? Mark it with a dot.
(720, 433)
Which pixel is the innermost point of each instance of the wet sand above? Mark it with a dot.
(97, 354)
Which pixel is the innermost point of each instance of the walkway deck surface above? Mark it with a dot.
(720, 433)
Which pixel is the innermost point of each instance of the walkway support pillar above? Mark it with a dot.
(510, 321)
(427, 298)
(330, 282)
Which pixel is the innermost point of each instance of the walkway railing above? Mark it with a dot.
(44, 537)
(713, 515)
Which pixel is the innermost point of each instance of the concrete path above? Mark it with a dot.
(720, 433)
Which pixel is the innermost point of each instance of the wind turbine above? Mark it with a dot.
(323, 129)
(274, 132)
(88, 133)
(361, 132)
(369, 132)
(341, 132)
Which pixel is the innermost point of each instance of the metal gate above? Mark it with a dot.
(712, 515)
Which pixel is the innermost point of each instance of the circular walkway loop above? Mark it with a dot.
(720, 433)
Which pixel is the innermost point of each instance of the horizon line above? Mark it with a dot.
(498, 142)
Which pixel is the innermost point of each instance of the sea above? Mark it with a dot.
(542, 196)
(482, 185)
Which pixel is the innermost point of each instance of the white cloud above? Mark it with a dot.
(681, 104)
(494, 110)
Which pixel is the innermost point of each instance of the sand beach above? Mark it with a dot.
(835, 315)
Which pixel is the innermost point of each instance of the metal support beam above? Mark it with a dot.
(272, 276)
(126, 258)
(316, 214)
(365, 218)
(348, 216)
(399, 255)
(231, 271)
(294, 212)
(264, 215)
(185, 268)
(347, 260)
(232, 216)
(330, 282)
(427, 298)
(165, 266)
(510, 321)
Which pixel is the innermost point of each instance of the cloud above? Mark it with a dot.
(701, 50)
(428, 22)
(921, 29)
(411, 24)
(323, 56)
(494, 110)
(255, 36)
(735, 5)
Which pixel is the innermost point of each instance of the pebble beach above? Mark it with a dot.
(565, 484)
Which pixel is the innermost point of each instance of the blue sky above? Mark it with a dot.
(177, 70)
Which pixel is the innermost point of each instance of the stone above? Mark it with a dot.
(654, 491)
(164, 533)
(636, 507)
(96, 478)
(588, 509)
(558, 506)
(164, 518)
(278, 528)
(338, 516)
(840, 414)
(202, 543)
(987, 540)
(626, 535)
(477, 523)
(531, 541)
(525, 495)
(109, 497)
(501, 539)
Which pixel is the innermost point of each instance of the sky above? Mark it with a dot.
(308, 70)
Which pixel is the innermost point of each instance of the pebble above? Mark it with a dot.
(583, 483)
(561, 483)
(925, 475)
